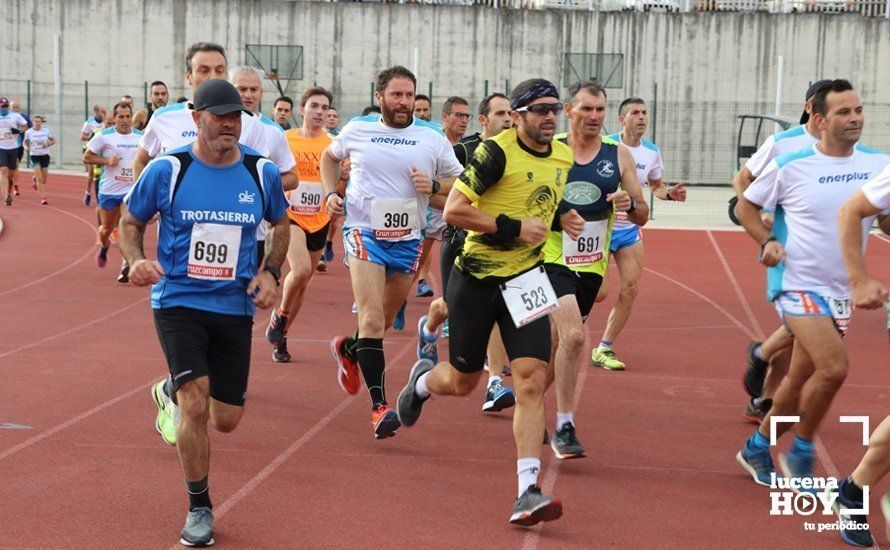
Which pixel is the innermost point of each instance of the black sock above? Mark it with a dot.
(349, 345)
(851, 491)
(199, 494)
(370, 359)
(168, 389)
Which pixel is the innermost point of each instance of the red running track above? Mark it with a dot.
(302, 471)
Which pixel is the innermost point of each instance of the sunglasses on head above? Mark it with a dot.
(541, 109)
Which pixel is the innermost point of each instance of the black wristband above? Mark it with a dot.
(771, 238)
(508, 228)
(633, 206)
(667, 196)
(326, 197)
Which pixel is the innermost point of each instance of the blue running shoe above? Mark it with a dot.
(854, 527)
(799, 465)
(424, 290)
(399, 322)
(445, 332)
(426, 349)
(757, 462)
(498, 398)
(328, 253)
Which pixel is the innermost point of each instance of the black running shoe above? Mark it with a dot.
(410, 404)
(533, 507)
(124, 276)
(564, 443)
(276, 333)
(280, 353)
(854, 527)
(756, 413)
(755, 372)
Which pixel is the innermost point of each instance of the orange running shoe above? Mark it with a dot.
(113, 236)
(385, 421)
(347, 369)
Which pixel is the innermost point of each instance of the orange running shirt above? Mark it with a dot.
(307, 206)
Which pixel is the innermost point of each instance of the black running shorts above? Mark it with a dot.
(317, 240)
(474, 307)
(201, 343)
(9, 158)
(584, 286)
(452, 244)
(40, 160)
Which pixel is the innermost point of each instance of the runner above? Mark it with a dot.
(96, 122)
(868, 293)
(423, 108)
(506, 199)
(11, 125)
(494, 117)
(626, 244)
(308, 220)
(398, 161)
(332, 122)
(206, 280)
(159, 96)
(114, 148)
(20, 153)
(173, 127)
(812, 298)
(332, 125)
(282, 110)
(37, 141)
(601, 184)
(768, 361)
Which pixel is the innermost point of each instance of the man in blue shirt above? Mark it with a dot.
(210, 197)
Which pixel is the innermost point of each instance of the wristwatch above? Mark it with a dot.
(275, 272)
(633, 205)
(436, 187)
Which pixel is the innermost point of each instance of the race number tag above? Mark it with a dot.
(7, 138)
(213, 251)
(392, 219)
(306, 199)
(841, 312)
(588, 249)
(124, 171)
(529, 296)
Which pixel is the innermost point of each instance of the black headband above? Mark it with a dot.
(539, 90)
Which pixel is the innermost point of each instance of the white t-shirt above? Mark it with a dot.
(877, 191)
(38, 141)
(10, 120)
(90, 126)
(381, 158)
(789, 141)
(650, 166)
(811, 187)
(116, 180)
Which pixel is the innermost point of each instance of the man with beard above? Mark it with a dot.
(159, 96)
(91, 125)
(398, 162)
(506, 199)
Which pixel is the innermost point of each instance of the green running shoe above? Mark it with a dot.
(605, 358)
(166, 421)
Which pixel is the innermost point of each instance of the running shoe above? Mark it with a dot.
(424, 290)
(86, 199)
(102, 256)
(532, 507)
(385, 421)
(797, 464)
(605, 358)
(756, 413)
(347, 370)
(755, 371)
(565, 444)
(410, 404)
(113, 238)
(497, 397)
(198, 529)
(445, 332)
(124, 276)
(44, 202)
(355, 308)
(757, 462)
(166, 421)
(276, 332)
(506, 371)
(280, 353)
(328, 254)
(322, 265)
(399, 322)
(17, 192)
(853, 527)
(8, 200)
(426, 349)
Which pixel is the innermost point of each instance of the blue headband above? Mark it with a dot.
(539, 90)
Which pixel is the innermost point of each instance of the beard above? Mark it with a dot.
(389, 117)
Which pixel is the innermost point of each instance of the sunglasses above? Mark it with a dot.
(541, 109)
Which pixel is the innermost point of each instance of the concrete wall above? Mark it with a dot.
(708, 67)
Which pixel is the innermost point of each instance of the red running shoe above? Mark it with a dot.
(347, 369)
(385, 421)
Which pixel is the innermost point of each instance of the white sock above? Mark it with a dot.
(420, 388)
(564, 418)
(430, 336)
(527, 469)
(493, 379)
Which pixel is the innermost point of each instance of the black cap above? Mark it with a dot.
(810, 92)
(219, 97)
